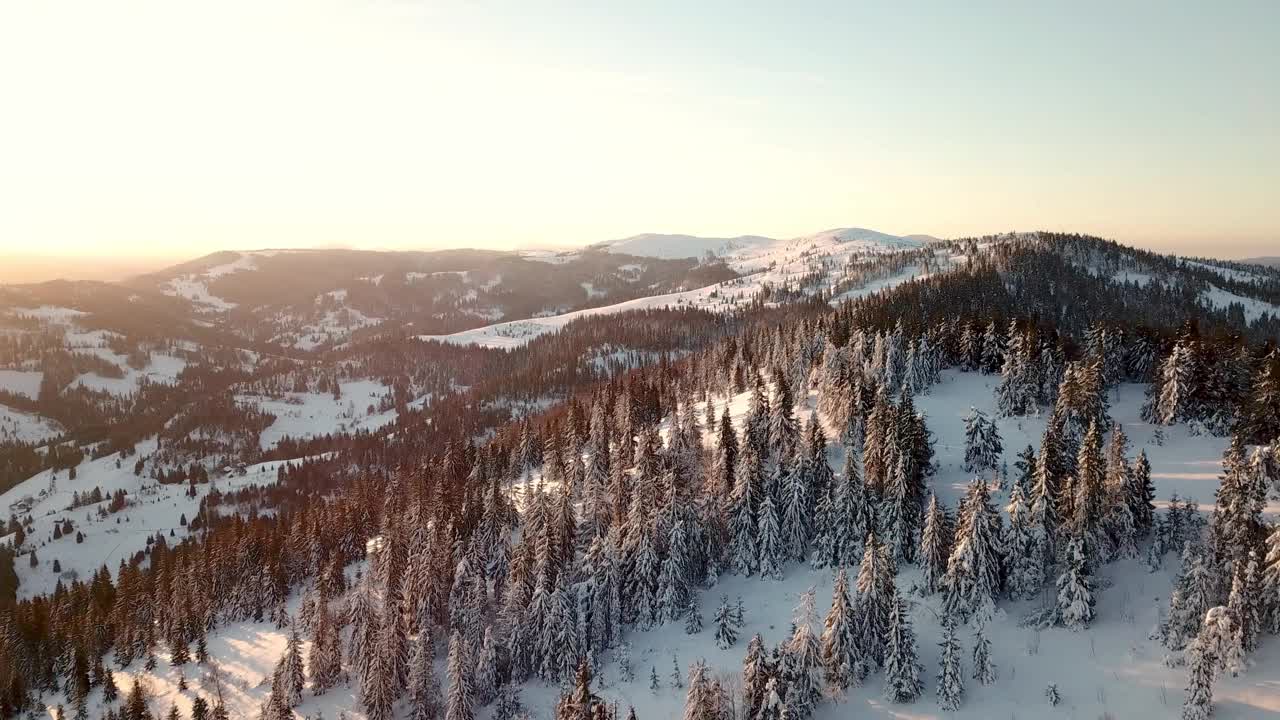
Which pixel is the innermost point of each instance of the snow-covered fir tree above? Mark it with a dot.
(902, 667)
(1075, 602)
(726, 630)
(950, 688)
(975, 568)
(982, 444)
(841, 656)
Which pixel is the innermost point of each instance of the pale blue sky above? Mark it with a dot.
(178, 127)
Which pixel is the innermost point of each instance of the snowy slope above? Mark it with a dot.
(660, 245)
(1112, 667)
(19, 426)
(775, 263)
(107, 540)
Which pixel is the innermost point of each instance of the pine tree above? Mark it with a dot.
(804, 661)
(726, 632)
(1270, 582)
(901, 668)
(460, 701)
(1024, 558)
(984, 667)
(1192, 596)
(755, 674)
(1244, 603)
(294, 678)
(485, 681)
(983, 446)
(950, 675)
(974, 568)
(378, 678)
(654, 684)
(325, 658)
(744, 505)
(876, 590)
(935, 546)
(1215, 648)
(771, 548)
(424, 689)
(1075, 591)
(700, 701)
(693, 618)
(840, 654)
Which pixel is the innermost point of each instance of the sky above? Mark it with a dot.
(169, 129)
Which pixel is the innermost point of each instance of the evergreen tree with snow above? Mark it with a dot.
(840, 654)
(378, 677)
(1215, 648)
(1270, 582)
(654, 684)
(935, 545)
(876, 589)
(1075, 590)
(1244, 603)
(1024, 554)
(845, 519)
(984, 667)
(294, 677)
(769, 535)
(693, 617)
(1192, 597)
(804, 661)
(700, 701)
(726, 631)
(743, 523)
(485, 681)
(901, 667)
(974, 570)
(424, 688)
(460, 700)
(324, 662)
(950, 675)
(982, 445)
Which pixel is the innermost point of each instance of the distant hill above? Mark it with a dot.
(1268, 260)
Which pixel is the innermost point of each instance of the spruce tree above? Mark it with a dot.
(460, 700)
(693, 618)
(984, 667)
(840, 655)
(974, 569)
(901, 668)
(876, 590)
(950, 675)
(424, 688)
(726, 632)
(935, 546)
(1075, 590)
(771, 548)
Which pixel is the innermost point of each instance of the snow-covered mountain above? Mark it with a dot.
(663, 245)
(845, 262)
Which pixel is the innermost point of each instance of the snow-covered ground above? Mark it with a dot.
(1218, 298)
(195, 286)
(763, 262)
(21, 382)
(163, 369)
(19, 426)
(107, 540)
(304, 415)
